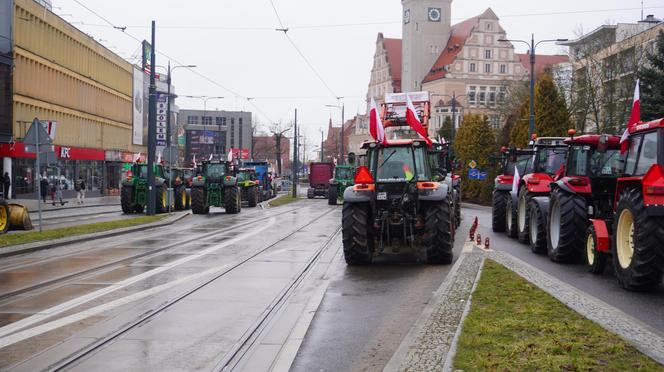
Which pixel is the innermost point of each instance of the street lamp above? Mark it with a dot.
(342, 108)
(205, 99)
(454, 110)
(532, 46)
(168, 107)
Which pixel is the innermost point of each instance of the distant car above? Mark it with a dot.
(286, 185)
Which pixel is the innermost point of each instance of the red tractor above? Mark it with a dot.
(585, 189)
(548, 160)
(634, 233)
(510, 160)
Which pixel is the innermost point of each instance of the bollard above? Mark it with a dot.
(486, 243)
(479, 239)
(473, 228)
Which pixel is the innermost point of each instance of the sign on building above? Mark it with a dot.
(138, 107)
(162, 114)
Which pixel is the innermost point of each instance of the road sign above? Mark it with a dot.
(171, 154)
(476, 174)
(37, 134)
(45, 147)
(47, 158)
(472, 164)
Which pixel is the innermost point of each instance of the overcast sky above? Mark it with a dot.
(234, 44)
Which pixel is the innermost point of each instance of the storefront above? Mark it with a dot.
(114, 169)
(71, 164)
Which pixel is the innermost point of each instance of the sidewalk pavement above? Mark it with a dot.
(32, 205)
(431, 343)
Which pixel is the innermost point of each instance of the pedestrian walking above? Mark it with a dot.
(44, 188)
(59, 186)
(6, 182)
(79, 186)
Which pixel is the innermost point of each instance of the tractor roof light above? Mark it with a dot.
(503, 149)
(571, 132)
(363, 176)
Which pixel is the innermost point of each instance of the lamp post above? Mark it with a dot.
(343, 110)
(532, 46)
(168, 107)
(454, 109)
(322, 141)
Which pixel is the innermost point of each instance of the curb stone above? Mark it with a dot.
(38, 246)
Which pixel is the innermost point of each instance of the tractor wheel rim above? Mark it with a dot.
(4, 219)
(554, 225)
(163, 200)
(590, 249)
(533, 226)
(522, 214)
(625, 238)
(184, 198)
(508, 216)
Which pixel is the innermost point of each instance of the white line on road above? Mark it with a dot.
(55, 310)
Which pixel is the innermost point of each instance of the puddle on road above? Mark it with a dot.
(45, 299)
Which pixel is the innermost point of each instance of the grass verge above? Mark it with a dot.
(515, 326)
(35, 236)
(282, 201)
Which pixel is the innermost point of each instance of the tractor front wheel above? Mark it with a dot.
(511, 225)
(4, 217)
(523, 212)
(252, 196)
(180, 198)
(332, 196)
(568, 221)
(357, 236)
(438, 232)
(595, 260)
(127, 199)
(537, 226)
(232, 200)
(162, 201)
(198, 203)
(498, 211)
(637, 250)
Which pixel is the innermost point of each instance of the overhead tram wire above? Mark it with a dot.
(208, 79)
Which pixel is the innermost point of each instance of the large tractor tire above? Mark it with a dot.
(4, 217)
(252, 196)
(567, 225)
(127, 199)
(511, 226)
(180, 198)
(357, 237)
(522, 213)
(438, 234)
(332, 195)
(457, 208)
(595, 260)
(637, 247)
(161, 205)
(198, 202)
(537, 231)
(310, 193)
(232, 200)
(498, 211)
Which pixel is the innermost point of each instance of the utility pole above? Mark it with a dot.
(152, 130)
(321, 146)
(531, 119)
(343, 123)
(295, 165)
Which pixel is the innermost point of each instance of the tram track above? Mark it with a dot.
(240, 348)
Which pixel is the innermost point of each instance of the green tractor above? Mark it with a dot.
(216, 186)
(343, 178)
(134, 192)
(249, 186)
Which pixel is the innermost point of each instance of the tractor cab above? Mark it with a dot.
(510, 161)
(593, 164)
(549, 156)
(214, 170)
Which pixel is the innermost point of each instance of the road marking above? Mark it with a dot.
(58, 309)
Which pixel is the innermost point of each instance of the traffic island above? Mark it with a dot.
(282, 200)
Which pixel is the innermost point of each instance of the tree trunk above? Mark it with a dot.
(277, 138)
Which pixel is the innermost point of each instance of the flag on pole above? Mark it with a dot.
(634, 118)
(195, 165)
(414, 121)
(516, 181)
(137, 158)
(159, 158)
(230, 154)
(375, 124)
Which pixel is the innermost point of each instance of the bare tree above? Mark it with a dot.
(279, 131)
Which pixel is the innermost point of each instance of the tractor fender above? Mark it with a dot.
(198, 183)
(561, 185)
(358, 196)
(602, 234)
(126, 182)
(437, 194)
(230, 182)
(503, 187)
(543, 203)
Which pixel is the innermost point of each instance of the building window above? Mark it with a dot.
(503, 69)
(220, 121)
(487, 68)
(472, 67)
(487, 54)
(494, 121)
(192, 120)
(239, 122)
(489, 26)
(207, 120)
(492, 96)
(482, 96)
(472, 95)
(502, 94)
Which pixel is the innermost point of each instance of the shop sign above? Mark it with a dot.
(112, 155)
(65, 152)
(242, 153)
(162, 107)
(127, 157)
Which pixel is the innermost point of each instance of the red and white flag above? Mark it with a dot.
(375, 124)
(515, 181)
(137, 158)
(230, 155)
(195, 165)
(634, 118)
(414, 121)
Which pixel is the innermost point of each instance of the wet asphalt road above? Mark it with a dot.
(55, 219)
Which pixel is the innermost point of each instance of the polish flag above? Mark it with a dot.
(634, 118)
(230, 155)
(195, 165)
(375, 124)
(414, 121)
(516, 181)
(137, 158)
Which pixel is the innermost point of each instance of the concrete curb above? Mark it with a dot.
(38, 246)
(643, 337)
(33, 209)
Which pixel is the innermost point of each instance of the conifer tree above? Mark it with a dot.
(652, 83)
(476, 141)
(445, 130)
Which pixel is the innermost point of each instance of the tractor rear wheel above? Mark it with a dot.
(568, 222)
(232, 200)
(511, 225)
(357, 237)
(457, 208)
(4, 217)
(127, 199)
(198, 203)
(180, 198)
(188, 194)
(438, 232)
(537, 224)
(637, 250)
(523, 213)
(162, 201)
(595, 260)
(310, 193)
(252, 196)
(498, 211)
(332, 195)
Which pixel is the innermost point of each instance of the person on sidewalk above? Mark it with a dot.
(6, 182)
(79, 186)
(44, 188)
(59, 186)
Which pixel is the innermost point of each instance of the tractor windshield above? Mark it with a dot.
(399, 164)
(344, 173)
(550, 159)
(521, 164)
(245, 176)
(141, 171)
(585, 161)
(216, 170)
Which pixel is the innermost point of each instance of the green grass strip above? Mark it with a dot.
(282, 201)
(515, 326)
(35, 236)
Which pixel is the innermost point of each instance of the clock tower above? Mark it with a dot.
(426, 30)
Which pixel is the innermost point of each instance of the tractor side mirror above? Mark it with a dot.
(351, 158)
(603, 144)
